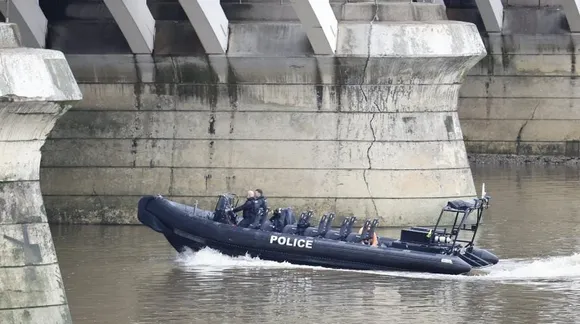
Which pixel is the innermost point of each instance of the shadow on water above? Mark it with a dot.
(129, 274)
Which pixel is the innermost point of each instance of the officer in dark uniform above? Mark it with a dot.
(249, 210)
(262, 206)
(263, 202)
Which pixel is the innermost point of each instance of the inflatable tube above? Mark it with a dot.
(195, 228)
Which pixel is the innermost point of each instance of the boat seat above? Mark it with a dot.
(311, 232)
(301, 226)
(290, 229)
(317, 231)
(343, 232)
(353, 238)
(332, 235)
(267, 226)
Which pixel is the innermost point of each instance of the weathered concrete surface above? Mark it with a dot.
(29, 18)
(372, 130)
(524, 97)
(36, 88)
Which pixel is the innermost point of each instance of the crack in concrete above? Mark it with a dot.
(519, 137)
(375, 105)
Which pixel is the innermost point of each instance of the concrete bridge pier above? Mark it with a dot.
(36, 88)
(330, 105)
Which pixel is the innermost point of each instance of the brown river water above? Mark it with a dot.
(129, 274)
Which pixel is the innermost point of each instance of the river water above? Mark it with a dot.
(129, 274)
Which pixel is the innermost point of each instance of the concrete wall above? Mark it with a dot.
(523, 98)
(373, 130)
(36, 88)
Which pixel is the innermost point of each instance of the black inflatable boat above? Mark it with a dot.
(440, 249)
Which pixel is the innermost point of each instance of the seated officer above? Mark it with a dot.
(372, 241)
(249, 210)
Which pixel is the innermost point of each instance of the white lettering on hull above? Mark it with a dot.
(291, 241)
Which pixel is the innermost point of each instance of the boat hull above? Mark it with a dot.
(184, 226)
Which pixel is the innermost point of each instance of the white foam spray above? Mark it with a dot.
(560, 268)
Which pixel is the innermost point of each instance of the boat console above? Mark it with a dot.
(445, 236)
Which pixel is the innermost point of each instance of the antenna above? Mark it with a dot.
(483, 191)
(7, 11)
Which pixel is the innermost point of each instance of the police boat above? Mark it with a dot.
(439, 249)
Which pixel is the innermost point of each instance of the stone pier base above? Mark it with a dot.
(36, 88)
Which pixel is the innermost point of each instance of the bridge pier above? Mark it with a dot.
(36, 88)
(371, 130)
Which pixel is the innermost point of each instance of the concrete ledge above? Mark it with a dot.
(519, 108)
(527, 65)
(211, 182)
(45, 76)
(527, 130)
(560, 148)
(534, 44)
(403, 127)
(252, 154)
(518, 87)
(97, 209)
(448, 38)
(273, 97)
(272, 70)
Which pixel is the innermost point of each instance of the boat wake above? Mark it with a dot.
(558, 268)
